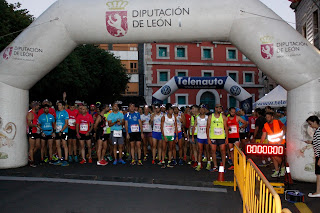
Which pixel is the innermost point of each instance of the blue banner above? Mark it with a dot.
(200, 82)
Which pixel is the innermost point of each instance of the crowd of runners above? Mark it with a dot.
(164, 134)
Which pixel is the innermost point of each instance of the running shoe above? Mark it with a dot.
(65, 163)
(115, 162)
(104, 161)
(275, 174)
(204, 159)
(101, 163)
(180, 162)
(127, 154)
(189, 163)
(198, 168)
(121, 161)
(163, 166)
(110, 158)
(31, 164)
(57, 163)
(283, 171)
(170, 164)
(145, 158)
(55, 158)
(214, 169)
(208, 166)
(231, 168)
(76, 159)
(159, 163)
(174, 162)
(153, 162)
(140, 163)
(133, 162)
(46, 160)
(83, 161)
(70, 159)
(194, 165)
(90, 160)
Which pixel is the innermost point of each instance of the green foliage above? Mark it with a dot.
(12, 19)
(88, 73)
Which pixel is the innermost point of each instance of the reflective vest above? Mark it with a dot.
(275, 136)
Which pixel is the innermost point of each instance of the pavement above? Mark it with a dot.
(125, 187)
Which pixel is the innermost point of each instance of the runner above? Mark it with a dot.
(72, 134)
(217, 135)
(234, 136)
(202, 138)
(168, 129)
(84, 126)
(47, 125)
(102, 138)
(134, 131)
(274, 131)
(33, 132)
(187, 115)
(51, 110)
(61, 134)
(116, 121)
(252, 125)
(181, 122)
(194, 146)
(147, 130)
(156, 134)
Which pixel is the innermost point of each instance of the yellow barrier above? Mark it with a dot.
(259, 195)
(239, 170)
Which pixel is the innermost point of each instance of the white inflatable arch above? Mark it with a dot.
(277, 49)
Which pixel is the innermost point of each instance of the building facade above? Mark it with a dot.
(128, 54)
(307, 19)
(165, 60)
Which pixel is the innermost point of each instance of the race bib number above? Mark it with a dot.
(218, 131)
(170, 130)
(135, 128)
(84, 127)
(146, 127)
(253, 126)
(59, 127)
(233, 129)
(47, 126)
(72, 122)
(202, 129)
(117, 133)
(157, 128)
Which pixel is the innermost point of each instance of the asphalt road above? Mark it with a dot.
(23, 196)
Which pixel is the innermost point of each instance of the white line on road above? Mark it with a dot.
(113, 183)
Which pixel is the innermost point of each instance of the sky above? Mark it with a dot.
(281, 7)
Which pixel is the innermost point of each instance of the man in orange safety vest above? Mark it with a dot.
(274, 131)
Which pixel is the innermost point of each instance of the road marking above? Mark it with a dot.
(113, 183)
(303, 208)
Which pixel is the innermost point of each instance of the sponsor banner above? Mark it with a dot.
(246, 105)
(22, 53)
(226, 83)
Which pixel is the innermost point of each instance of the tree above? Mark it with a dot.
(12, 19)
(88, 73)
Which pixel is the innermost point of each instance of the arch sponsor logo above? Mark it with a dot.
(117, 18)
(7, 53)
(267, 49)
(235, 90)
(166, 90)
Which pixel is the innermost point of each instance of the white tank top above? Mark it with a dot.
(157, 123)
(202, 127)
(168, 126)
(179, 124)
(146, 125)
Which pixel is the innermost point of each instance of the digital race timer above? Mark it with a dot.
(265, 149)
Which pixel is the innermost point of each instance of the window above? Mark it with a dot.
(163, 76)
(163, 52)
(206, 53)
(244, 58)
(315, 23)
(248, 77)
(233, 75)
(181, 73)
(232, 54)
(232, 101)
(181, 52)
(207, 73)
(182, 99)
(133, 68)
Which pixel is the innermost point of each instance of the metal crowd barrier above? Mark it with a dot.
(257, 193)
